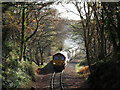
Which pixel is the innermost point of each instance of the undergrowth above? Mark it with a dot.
(106, 72)
(16, 74)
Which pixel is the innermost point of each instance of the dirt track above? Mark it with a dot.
(71, 79)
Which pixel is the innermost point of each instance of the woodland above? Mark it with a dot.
(32, 31)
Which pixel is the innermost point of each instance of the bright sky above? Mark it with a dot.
(64, 10)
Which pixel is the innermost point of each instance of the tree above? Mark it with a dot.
(36, 12)
(44, 40)
(85, 25)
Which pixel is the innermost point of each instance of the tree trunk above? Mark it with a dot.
(105, 47)
(30, 56)
(102, 49)
(85, 36)
(41, 58)
(36, 58)
(24, 56)
(111, 26)
(102, 36)
(22, 33)
(118, 24)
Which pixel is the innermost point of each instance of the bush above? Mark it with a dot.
(106, 73)
(16, 74)
(9, 74)
(27, 68)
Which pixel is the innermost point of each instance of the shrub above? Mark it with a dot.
(16, 74)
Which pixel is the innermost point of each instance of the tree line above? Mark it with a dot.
(100, 22)
(99, 26)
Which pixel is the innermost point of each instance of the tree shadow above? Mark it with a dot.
(47, 69)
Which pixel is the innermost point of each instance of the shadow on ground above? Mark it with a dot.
(47, 69)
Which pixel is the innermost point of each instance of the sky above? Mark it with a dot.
(64, 10)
